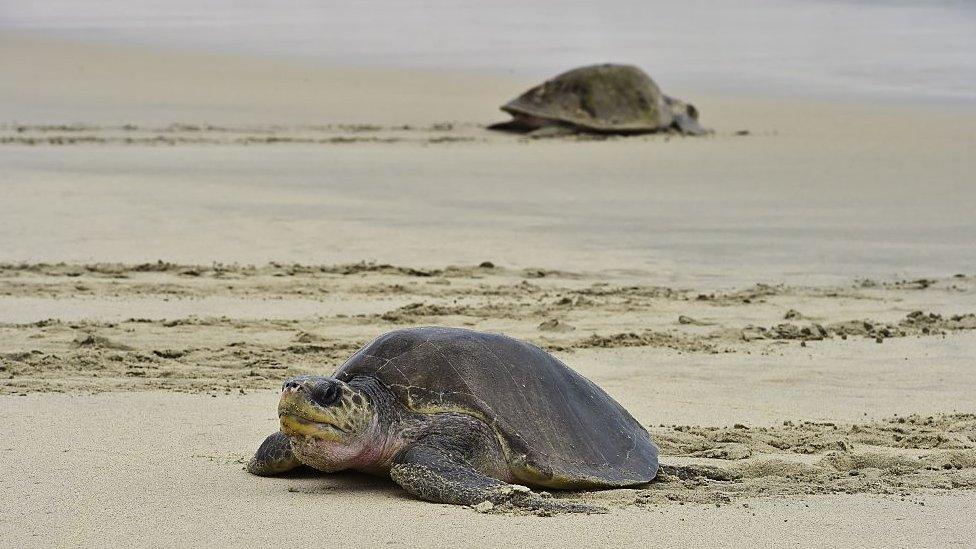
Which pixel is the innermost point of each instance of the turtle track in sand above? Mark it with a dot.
(189, 135)
(223, 328)
(896, 457)
(180, 134)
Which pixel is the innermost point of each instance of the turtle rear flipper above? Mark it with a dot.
(513, 126)
(273, 457)
(430, 472)
(520, 123)
(553, 130)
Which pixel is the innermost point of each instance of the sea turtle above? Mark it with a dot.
(461, 417)
(607, 99)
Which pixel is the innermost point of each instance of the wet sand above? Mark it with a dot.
(818, 191)
(789, 312)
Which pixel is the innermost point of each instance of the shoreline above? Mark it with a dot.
(484, 90)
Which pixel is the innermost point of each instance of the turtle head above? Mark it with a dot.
(330, 423)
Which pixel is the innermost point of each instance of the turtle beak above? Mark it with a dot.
(327, 423)
(312, 406)
(320, 391)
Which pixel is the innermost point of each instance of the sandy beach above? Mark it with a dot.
(787, 304)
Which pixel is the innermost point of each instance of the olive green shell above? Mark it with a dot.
(601, 98)
(557, 427)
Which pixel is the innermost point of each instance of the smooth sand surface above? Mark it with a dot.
(162, 469)
(634, 260)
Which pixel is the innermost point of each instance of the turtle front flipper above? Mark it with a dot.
(273, 457)
(429, 471)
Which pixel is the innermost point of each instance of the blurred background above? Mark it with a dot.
(880, 49)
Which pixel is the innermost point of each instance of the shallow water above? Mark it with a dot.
(881, 49)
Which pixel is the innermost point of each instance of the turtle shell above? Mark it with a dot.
(558, 428)
(601, 98)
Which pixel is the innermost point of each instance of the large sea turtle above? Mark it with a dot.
(462, 417)
(607, 99)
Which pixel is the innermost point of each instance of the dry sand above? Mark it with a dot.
(789, 312)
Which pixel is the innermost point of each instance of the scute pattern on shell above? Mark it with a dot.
(553, 421)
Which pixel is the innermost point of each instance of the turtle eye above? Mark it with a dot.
(326, 393)
(292, 384)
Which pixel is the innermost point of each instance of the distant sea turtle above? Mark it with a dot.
(461, 417)
(608, 99)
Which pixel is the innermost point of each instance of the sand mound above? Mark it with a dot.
(899, 456)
